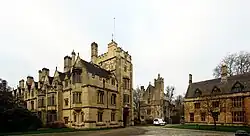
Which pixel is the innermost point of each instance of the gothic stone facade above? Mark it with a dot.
(86, 94)
(229, 100)
(153, 103)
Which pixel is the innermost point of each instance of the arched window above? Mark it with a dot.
(237, 87)
(74, 115)
(197, 92)
(82, 116)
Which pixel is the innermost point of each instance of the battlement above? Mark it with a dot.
(104, 55)
(114, 50)
(124, 54)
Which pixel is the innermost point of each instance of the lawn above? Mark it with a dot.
(55, 130)
(211, 127)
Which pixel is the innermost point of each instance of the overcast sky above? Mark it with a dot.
(170, 37)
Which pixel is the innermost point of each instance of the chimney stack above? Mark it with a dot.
(21, 83)
(224, 73)
(142, 88)
(94, 52)
(190, 79)
(73, 55)
(29, 80)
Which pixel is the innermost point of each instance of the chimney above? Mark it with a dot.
(94, 52)
(73, 55)
(224, 73)
(190, 79)
(142, 88)
(29, 80)
(40, 75)
(67, 63)
(45, 72)
(21, 83)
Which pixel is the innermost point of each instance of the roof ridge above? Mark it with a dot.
(95, 65)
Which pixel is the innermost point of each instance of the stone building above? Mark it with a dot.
(153, 103)
(227, 98)
(85, 94)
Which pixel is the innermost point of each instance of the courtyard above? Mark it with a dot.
(142, 131)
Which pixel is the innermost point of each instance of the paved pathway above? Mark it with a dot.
(161, 131)
(142, 131)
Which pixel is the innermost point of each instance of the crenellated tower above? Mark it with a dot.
(119, 62)
(159, 85)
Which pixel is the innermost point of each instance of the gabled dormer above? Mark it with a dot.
(216, 90)
(237, 87)
(197, 92)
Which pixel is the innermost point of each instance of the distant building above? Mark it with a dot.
(154, 103)
(230, 99)
(86, 94)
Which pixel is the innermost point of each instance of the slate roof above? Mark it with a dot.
(95, 69)
(206, 87)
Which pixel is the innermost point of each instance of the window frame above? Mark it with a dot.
(113, 116)
(77, 97)
(203, 116)
(197, 105)
(100, 97)
(100, 116)
(191, 118)
(238, 116)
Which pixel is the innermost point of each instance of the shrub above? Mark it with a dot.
(56, 124)
(149, 121)
(19, 119)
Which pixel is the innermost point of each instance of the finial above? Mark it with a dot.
(56, 68)
(78, 54)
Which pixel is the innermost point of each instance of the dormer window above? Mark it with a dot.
(237, 87)
(216, 90)
(197, 92)
(77, 78)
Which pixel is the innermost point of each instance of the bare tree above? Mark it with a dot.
(212, 106)
(137, 93)
(237, 63)
(4, 86)
(170, 93)
(179, 104)
(170, 96)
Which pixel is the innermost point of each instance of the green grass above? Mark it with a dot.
(211, 127)
(55, 130)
